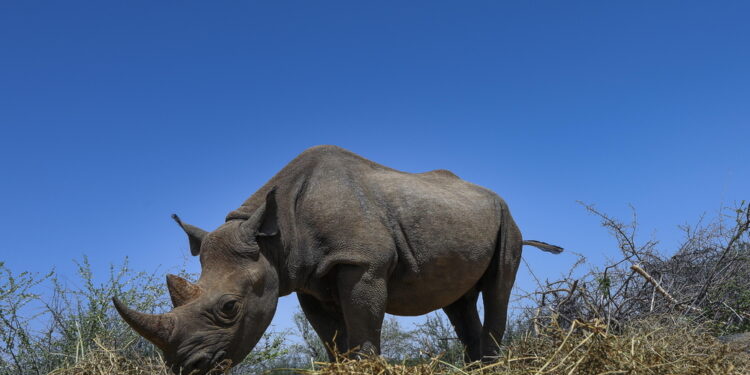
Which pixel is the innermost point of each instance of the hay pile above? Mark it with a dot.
(653, 347)
(104, 360)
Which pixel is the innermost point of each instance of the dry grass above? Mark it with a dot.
(104, 360)
(653, 347)
(665, 346)
(673, 348)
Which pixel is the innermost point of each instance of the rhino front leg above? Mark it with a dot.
(363, 294)
(327, 321)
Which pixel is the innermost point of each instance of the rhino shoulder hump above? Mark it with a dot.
(441, 172)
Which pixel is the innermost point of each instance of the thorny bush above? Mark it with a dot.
(706, 279)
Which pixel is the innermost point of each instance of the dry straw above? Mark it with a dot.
(666, 346)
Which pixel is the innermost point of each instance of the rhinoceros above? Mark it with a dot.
(355, 240)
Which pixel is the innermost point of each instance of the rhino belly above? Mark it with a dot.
(438, 281)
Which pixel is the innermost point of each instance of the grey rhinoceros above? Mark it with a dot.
(355, 240)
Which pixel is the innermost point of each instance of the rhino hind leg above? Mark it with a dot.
(465, 320)
(327, 321)
(497, 284)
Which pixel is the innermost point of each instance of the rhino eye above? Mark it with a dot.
(229, 308)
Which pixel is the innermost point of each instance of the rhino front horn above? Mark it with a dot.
(181, 291)
(155, 328)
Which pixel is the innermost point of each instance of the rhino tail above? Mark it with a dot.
(544, 246)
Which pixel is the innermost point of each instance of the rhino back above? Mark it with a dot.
(347, 195)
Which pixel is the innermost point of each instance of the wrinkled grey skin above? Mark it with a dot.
(354, 240)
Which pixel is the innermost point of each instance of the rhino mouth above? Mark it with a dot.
(200, 363)
(199, 356)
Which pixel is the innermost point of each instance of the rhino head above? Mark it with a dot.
(224, 314)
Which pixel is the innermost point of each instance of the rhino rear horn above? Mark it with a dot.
(181, 291)
(195, 235)
(154, 328)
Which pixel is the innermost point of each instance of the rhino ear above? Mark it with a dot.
(269, 223)
(195, 235)
(264, 221)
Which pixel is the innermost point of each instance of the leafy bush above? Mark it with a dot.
(68, 326)
(20, 352)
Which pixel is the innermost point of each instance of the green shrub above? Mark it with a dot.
(74, 322)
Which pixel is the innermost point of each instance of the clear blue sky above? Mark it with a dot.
(116, 114)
